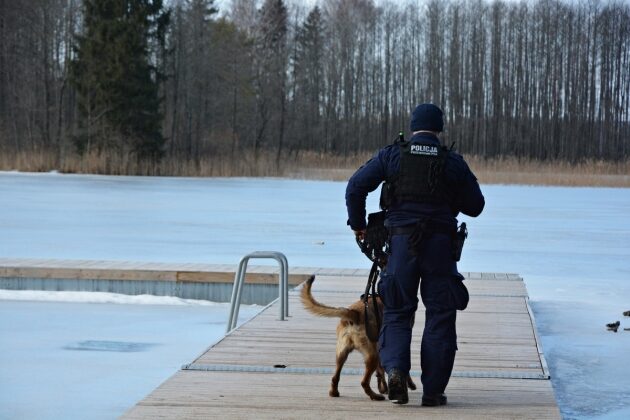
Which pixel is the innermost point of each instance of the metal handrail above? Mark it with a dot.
(239, 279)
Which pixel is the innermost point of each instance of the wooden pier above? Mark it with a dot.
(281, 369)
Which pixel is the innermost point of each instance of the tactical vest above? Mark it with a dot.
(421, 176)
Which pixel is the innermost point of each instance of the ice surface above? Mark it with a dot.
(570, 245)
(75, 360)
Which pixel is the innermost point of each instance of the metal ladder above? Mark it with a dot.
(239, 279)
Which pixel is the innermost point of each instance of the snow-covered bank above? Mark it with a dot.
(99, 297)
(570, 245)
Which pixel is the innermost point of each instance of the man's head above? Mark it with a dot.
(426, 117)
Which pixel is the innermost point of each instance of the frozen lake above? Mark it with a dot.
(77, 359)
(570, 245)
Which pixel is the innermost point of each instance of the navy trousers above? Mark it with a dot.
(442, 293)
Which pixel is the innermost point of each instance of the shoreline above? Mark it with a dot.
(485, 176)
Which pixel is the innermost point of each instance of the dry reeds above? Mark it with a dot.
(495, 171)
(524, 171)
(322, 166)
(125, 164)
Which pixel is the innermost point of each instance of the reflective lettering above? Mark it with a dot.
(421, 149)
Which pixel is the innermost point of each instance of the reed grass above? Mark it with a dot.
(320, 166)
(594, 173)
(508, 170)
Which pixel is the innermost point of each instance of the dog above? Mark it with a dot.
(351, 335)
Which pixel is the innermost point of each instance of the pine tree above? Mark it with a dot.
(198, 85)
(272, 64)
(308, 75)
(115, 78)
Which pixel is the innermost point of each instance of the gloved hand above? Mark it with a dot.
(359, 234)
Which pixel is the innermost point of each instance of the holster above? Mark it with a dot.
(458, 241)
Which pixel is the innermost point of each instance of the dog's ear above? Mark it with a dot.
(310, 280)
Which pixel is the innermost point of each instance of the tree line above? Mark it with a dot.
(544, 80)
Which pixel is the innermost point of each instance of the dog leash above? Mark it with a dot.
(371, 284)
(375, 246)
(378, 258)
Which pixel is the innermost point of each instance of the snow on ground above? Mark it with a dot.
(98, 297)
(570, 245)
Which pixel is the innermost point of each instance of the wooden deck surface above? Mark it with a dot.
(499, 371)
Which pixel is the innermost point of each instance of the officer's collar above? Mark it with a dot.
(425, 137)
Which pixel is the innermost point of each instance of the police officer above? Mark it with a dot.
(425, 187)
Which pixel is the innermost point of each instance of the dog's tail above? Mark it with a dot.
(319, 309)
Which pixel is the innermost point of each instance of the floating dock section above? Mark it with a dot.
(188, 281)
(275, 369)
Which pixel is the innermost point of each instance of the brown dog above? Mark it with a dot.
(351, 335)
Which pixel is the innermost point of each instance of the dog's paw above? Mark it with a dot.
(333, 393)
(411, 384)
(377, 397)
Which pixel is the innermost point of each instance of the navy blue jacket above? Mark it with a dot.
(386, 163)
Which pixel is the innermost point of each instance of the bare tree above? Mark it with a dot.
(546, 79)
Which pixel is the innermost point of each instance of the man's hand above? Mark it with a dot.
(360, 234)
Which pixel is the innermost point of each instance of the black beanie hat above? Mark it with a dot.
(427, 117)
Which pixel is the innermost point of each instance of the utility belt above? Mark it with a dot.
(433, 228)
(423, 229)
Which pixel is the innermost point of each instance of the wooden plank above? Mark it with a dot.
(225, 277)
(357, 284)
(128, 270)
(190, 394)
(303, 270)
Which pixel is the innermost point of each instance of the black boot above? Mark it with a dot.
(433, 400)
(397, 383)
